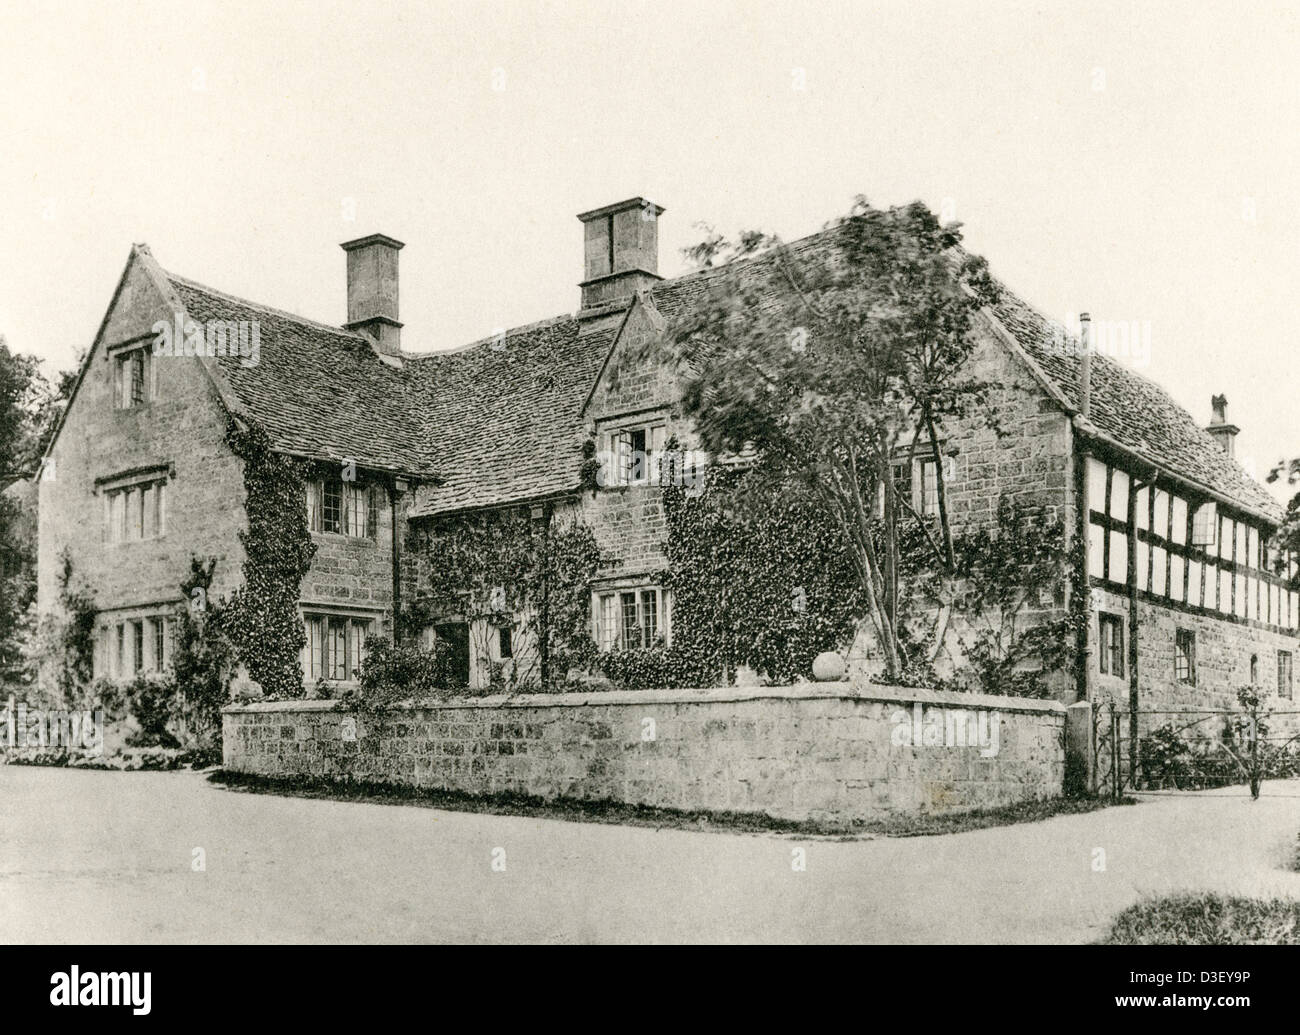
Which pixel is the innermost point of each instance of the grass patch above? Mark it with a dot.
(1205, 919)
(606, 811)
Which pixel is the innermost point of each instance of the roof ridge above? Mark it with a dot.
(284, 313)
(523, 328)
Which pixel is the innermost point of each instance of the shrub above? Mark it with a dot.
(656, 668)
(394, 672)
(154, 704)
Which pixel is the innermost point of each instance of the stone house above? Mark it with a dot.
(139, 477)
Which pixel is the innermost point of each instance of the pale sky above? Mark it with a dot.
(1141, 161)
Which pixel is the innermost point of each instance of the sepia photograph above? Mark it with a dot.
(621, 474)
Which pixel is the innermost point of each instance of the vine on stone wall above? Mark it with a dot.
(63, 649)
(1007, 593)
(769, 586)
(261, 618)
(505, 568)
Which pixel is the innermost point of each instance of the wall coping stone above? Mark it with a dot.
(848, 691)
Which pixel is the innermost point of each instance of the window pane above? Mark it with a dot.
(137, 646)
(929, 487)
(137, 377)
(630, 633)
(337, 647)
(609, 621)
(649, 615)
(159, 643)
(1205, 522)
(313, 505)
(332, 506)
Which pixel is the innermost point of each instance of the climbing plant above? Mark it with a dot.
(1004, 598)
(261, 618)
(768, 584)
(507, 568)
(201, 654)
(62, 650)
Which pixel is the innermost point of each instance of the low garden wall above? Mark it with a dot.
(819, 751)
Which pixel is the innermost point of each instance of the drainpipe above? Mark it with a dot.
(395, 490)
(1085, 365)
(1134, 487)
(1083, 672)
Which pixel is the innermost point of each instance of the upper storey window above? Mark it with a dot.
(132, 378)
(342, 507)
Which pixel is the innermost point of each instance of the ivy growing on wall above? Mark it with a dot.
(768, 584)
(261, 618)
(63, 649)
(1003, 602)
(201, 655)
(760, 578)
(506, 568)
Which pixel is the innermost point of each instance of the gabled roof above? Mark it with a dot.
(1133, 411)
(318, 391)
(1126, 408)
(500, 421)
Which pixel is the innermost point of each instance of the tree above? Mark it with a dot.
(827, 358)
(28, 409)
(1288, 536)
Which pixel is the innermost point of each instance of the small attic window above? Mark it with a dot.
(132, 378)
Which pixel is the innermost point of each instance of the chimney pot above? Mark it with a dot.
(1219, 428)
(1085, 364)
(372, 290)
(620, 252)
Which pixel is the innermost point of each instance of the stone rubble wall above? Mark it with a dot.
(815, 751)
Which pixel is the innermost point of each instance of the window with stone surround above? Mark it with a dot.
(1284, 685)
(630, 455)
(132, 378)
(342, 507)
(630, 618)
(133, 646)
(136, 510)
(335, 647)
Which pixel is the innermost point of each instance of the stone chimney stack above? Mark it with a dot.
(1223, 432)
(620, 254)
(372, 291)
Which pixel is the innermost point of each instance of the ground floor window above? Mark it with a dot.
(335, 647)
(1110, 658)
(1284, 686)
(631, 618)
(135, 646)
(1185, 656)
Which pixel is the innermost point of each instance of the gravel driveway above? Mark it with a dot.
(110, 857)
